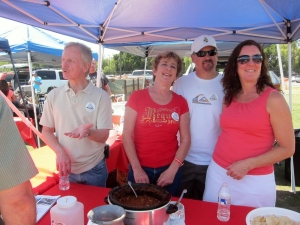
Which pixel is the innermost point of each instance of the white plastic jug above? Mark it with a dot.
(67, 211)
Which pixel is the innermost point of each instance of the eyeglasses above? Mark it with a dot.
(203, 53)
(244, 59)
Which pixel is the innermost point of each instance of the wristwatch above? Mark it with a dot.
(88, 133)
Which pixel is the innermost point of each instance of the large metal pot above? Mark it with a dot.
(107, 215)
(147, 215)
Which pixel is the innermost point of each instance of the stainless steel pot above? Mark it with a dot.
(107, 215)
(150, 215)
(156, 216)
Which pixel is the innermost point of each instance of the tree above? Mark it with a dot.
(130, 62)
(272, 58)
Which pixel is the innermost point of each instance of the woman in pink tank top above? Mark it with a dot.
(254, 115)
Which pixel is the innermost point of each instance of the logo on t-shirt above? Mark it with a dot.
(90, 107)
(201, 99)
(175, 116)
(158, 117)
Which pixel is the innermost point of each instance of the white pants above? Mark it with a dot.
(251, 190)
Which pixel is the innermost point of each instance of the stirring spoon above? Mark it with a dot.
(129, 183)
(173, 208)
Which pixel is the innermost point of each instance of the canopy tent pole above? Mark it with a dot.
(281, 69)
(33, 96)
(100, 60)
(290, 104)
(120, 64)
(145, 67)
(293, 189)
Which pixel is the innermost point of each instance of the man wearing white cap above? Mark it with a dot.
(204, 93)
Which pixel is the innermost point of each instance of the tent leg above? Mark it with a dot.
(281, 69)
(293, 188)
(33, 98)
(99, 68)
(145, 67)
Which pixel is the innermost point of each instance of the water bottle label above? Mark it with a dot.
(223, 201)
(57, 223)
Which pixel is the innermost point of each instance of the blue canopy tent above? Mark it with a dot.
(5, 49)
(4, 46)
(135, 21)
(33, 42)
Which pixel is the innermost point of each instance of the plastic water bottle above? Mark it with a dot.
(64, 183)
(224, 201)
(67, 211)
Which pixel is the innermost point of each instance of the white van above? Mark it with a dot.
(50, 77)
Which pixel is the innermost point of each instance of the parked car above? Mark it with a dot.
(8, 76)
(297, 78)
(293, 78)
(140, 74)
(23, 75)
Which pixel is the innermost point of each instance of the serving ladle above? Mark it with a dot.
(173, 207)
(129, 183)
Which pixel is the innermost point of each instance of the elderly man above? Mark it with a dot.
(17, 202)
(81, 116)
(204, 93)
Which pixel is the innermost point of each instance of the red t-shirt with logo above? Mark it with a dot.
(156, 127)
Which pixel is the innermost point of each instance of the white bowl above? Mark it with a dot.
(265, 211)
(112, 137)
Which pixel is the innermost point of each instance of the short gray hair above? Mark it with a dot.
(86, 52)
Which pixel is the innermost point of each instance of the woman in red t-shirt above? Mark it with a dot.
(153, 118)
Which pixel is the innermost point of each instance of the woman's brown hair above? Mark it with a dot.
(231, 81)
(167, 55)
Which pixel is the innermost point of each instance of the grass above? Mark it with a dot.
(285, 198)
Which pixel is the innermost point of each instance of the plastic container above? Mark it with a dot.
(224, 201)
(64, 183)
(67, 211)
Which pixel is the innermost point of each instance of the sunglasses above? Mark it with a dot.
(203, 53)
(244, 59)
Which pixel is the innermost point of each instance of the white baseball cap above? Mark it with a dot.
(203, 41)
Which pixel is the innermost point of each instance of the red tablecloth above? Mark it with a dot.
(25, 131)
(45, 160)
(197, 212)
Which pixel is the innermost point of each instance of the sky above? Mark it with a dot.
(9, 24)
